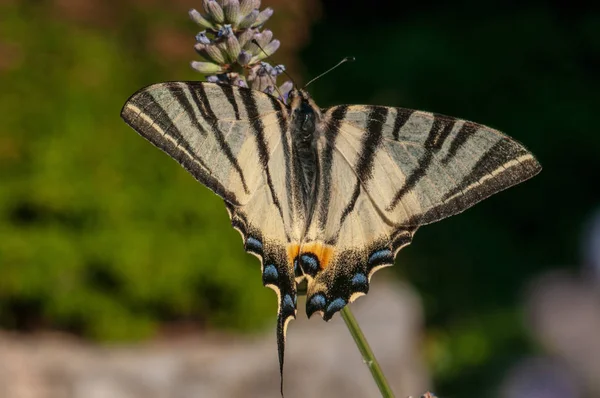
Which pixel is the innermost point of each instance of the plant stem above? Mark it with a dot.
(365, 351)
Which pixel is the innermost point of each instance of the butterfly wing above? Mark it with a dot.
(234, 141)
(391, 170)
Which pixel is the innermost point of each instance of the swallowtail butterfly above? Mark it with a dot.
(324, 195)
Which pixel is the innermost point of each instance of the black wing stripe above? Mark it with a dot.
(440, 129)
(370, 142)
(285, 144)
(499, 154)
(351, 203)
(467, 130)
(402, 116)
(228, 91)
(456, 200)
(179, 150)
(332, 130)
(261, 145)
(160, 117)
(183, 101)
(212, 120)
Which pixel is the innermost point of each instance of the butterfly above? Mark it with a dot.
(326, 196)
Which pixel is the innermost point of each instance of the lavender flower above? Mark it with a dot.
(234, 46)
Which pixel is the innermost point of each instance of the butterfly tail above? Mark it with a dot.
(280, 347)
(287, 312)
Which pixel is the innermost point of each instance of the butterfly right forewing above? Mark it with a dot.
(391, 170)
(430, 166)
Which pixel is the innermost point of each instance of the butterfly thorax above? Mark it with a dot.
(304, 119)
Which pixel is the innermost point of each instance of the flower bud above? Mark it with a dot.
(233, 48)
(248, 20)
(206, 67)
(266, 51)
(265, 38)
(251, 47)
(246, 7)
(245, 37)
(215, 11)
(244, 57)
(200, 48)
(232, 12)
(214, 53)
(202, 38)
(205, 6)
(200, 20)
(263, 16)
(285, 89)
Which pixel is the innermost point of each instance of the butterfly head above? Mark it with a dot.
(297, 96)
(305, 112)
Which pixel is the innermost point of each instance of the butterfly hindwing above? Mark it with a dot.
(391, 170)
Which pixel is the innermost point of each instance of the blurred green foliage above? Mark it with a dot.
(103, 235)
(100, 233)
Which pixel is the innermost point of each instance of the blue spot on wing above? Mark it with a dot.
(359, 279)
(270, 274)
(316, 303)
(254, 245)
(381, 257)
(310, 263)
(287, 304)
(318, 300)
(336, 305)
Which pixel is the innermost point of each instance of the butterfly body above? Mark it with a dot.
(324, 195)
(304, 117)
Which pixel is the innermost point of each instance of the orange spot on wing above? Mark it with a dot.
(323, 252)
(292, 251)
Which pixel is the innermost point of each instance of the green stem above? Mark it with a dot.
(367, 354)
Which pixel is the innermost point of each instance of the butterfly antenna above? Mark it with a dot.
(347, 59)
(284, 71)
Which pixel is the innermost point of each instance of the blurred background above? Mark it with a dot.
(120, 276)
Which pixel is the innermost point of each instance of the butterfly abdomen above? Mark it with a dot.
(302, 130)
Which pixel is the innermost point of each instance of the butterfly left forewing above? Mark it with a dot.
(208, 130)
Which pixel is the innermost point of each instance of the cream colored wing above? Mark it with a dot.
(384, 172)
(233, 140)
(207, 129)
